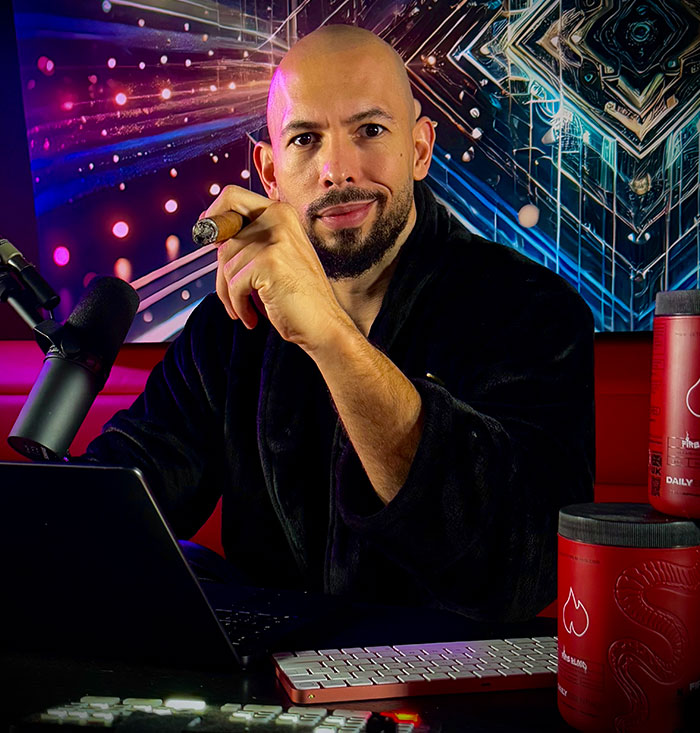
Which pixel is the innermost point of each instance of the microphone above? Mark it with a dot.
(219, 228)
(79, 357)
(43, 292)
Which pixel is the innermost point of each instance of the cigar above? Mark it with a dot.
(219, 228)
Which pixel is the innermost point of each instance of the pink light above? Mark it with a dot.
(173, 172)
(172, 247)
(123, 269)
(166, 93)
(68, 106)
(170, 206)
(45, 65)
(120, 99)
(88, 277)
(111, 62)
(120, 229)
(61, 256)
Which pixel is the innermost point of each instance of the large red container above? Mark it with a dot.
(674, 425)
(629, 618)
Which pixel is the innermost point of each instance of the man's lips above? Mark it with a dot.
(345, 215)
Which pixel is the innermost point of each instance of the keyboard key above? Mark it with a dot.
(96, 701)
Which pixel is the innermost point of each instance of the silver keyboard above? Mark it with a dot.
(366, 673)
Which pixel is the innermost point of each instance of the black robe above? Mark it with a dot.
(501, 352)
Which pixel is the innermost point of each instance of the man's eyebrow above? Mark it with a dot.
(308, 126)
(368, 114)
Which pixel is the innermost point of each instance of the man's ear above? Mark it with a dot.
(265, 166)
(423, 142)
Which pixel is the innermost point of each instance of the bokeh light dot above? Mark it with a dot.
(120, 229)
(142, 65)
(210, 52)
(163, 59)
(245, 173)
(142, 22)
(120, 99)
(232, 85)
(185, 294)
(212, 88)
(103, 132)
(45, 65)
(529, 215)
(122, 186)
(186, 26)
(61, 255)
(123, 269)
(147, 316)
(106, 6)
(170, 206)
(68, 106)
(215, 189)
(214, 158)
(188, 62)
(166, 94)
(173, 172)
(111, 62)
(172, 246)
(115, 158)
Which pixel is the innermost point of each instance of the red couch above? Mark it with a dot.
(622, 380)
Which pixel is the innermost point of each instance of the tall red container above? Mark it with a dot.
(674, 425)
(629, 618)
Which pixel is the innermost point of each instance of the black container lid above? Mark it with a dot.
(626, 525)
(678, 303)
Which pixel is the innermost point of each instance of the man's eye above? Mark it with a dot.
(303, 140)
(372, 129)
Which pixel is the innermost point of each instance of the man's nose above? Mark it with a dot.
(339, 167)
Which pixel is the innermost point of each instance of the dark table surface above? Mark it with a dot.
(32, 681)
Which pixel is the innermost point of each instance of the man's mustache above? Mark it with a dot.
(346, 196)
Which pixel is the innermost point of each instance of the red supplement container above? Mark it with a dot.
(674, 425)
(629, 618)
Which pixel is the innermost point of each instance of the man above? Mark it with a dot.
(386, 402)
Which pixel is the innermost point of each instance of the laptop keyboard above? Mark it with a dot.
(248, 628)
(367, 673)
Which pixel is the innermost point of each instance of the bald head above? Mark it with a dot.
(330, 51)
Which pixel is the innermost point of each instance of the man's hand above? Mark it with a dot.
(272, 261)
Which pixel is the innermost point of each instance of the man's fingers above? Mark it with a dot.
(236, 198)
(240, 290)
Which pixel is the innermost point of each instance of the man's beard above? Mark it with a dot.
(349, 254)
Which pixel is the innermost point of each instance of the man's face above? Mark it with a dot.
(342, 153)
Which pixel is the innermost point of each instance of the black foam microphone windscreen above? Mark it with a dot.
(78, 361)
(102, 318)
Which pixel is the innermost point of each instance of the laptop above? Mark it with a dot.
(93, 570)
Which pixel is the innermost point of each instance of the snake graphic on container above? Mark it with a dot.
(629, 638)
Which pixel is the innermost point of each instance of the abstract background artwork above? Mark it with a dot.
(567, 129)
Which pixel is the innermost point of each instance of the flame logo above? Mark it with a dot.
(695, 399)
(574, 615)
